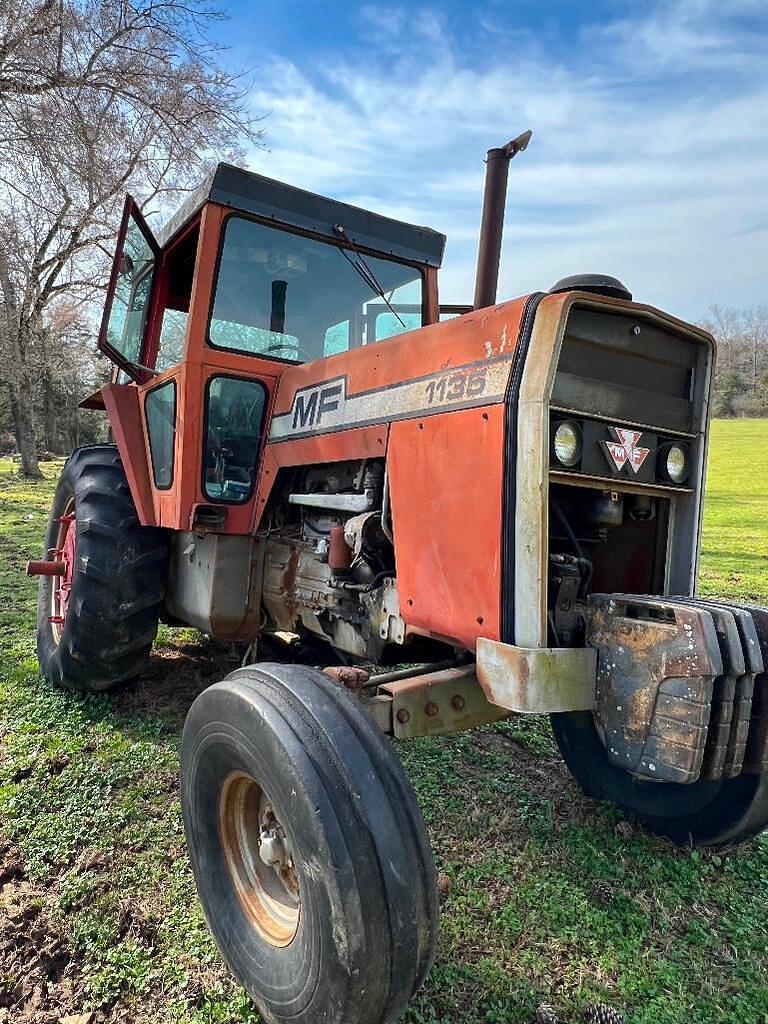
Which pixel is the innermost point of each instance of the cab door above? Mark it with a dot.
(144, 402)
(123, 333)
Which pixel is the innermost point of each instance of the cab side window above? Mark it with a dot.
(160, 412)
(234, 417)
(178, 275)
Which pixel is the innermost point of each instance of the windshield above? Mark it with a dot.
(298, 299)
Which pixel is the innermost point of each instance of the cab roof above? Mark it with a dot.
(284, 204)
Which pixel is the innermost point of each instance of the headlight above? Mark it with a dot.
(676, 463)
(566, 443)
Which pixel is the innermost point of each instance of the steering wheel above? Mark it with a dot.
(284, 344)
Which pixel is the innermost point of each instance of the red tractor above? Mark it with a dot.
(315, 458)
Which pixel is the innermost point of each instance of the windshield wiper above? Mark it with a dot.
(365, 270)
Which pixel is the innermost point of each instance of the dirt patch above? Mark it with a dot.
(179, 671)
(546, 778)
(39, 980)
(176, 674)
(544, 775)
(135, 919)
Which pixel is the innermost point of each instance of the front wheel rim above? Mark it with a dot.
(259, 856)
(66, 553)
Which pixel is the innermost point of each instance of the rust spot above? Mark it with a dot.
(45, 568)
(657, 660)
(348, 676)
(289, 582)
(431, 709)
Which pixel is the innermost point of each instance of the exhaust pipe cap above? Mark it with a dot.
(598, 284)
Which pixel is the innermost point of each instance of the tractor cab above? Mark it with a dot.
(249, 277)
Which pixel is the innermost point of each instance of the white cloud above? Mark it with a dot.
(684, 35)
(642, 175)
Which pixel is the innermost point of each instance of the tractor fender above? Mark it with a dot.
(123, 405)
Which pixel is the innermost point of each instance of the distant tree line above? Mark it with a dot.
(741, 374)
(62, 367)
(97, 98)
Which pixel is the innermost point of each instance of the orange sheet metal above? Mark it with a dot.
(481, 337)
(446, 485)
(122, 404)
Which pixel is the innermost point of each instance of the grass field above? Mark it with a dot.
(545, 895)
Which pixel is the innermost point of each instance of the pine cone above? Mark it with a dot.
(546, 1015)
(601, 1013)
(603, 892)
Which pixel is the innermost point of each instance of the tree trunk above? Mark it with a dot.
(20, 394)
(50, 432)
(73, 426)
(24, 429)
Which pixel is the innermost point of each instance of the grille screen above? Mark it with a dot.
(627, 369)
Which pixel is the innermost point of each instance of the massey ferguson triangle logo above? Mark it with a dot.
(625, 449)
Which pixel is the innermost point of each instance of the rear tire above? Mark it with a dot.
(705, 813)
(117, 582)
(301, 754)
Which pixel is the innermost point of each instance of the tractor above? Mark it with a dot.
(313, 457)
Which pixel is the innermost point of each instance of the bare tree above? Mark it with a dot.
(68, 366)
(96, 99)
(741, 378)
(724, 325)
(755, 336)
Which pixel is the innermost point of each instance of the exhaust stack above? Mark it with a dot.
(492, 226)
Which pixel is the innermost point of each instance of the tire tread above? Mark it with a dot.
(119, 582)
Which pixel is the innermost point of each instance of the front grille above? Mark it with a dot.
(628, 370)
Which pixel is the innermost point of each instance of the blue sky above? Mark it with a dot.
(650, 152)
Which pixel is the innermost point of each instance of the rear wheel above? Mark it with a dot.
(308, 849)
(96, 621)
(705, 813)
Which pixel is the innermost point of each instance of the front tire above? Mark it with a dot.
(280, 765)
(96, 623)
(705, 813)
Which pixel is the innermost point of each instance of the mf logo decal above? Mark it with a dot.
(625, 449)
(320, 405)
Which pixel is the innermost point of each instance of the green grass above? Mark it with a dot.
(736, 513)
(546, 896)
